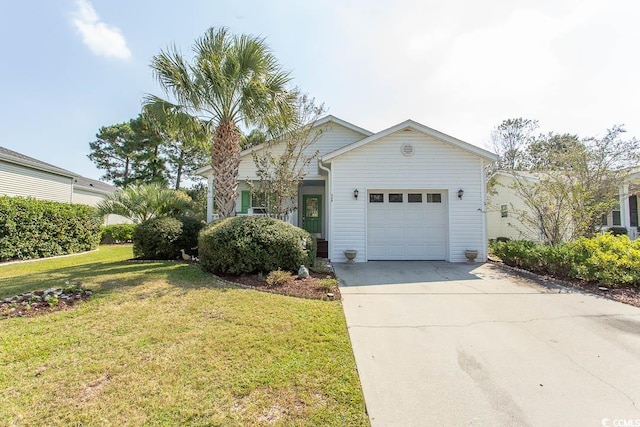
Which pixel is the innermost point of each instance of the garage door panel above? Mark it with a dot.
(419, 250)
(406, 231)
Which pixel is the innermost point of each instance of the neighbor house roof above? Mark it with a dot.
(410, 124)
(324, 120)
(20, 159)
(93, 185)
(529, 176)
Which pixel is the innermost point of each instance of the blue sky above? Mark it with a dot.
(461, 67)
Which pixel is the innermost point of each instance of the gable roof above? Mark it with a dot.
(20, 159)
(93, 185)
(322, 121)
(410, 124)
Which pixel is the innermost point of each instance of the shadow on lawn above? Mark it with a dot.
(112, 276)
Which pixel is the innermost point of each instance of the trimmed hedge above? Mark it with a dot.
(31, 228)
(249, 244)
(611, 260)
(163, 238)
(117, 233)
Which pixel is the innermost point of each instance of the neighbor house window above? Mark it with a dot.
(434, 198)
(414, 198)
(395, 197)
(503, 211)
(616, 218)
(604, 220)
(376, 198)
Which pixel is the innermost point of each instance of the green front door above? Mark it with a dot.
(312, 213)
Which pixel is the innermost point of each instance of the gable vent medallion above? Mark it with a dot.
(407, 149)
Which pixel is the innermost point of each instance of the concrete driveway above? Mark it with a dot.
(450, 344)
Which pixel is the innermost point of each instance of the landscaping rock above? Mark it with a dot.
(30, 303)
(303, 272)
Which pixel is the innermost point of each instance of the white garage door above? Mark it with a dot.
(406, 225)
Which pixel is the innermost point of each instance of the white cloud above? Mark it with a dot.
(103, 39)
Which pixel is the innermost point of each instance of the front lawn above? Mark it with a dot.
(164, 343)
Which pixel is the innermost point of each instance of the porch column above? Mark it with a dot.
(625, 214)
(210, 198)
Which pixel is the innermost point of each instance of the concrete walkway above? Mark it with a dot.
(450, 344)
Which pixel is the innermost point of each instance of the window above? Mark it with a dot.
(395, 197)
(376, 198)
(434, 198)
(414, 198)
(616, 218)
(603, 220)
(503, 211)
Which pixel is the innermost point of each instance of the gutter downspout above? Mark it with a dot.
(483, 210)
(328, 198)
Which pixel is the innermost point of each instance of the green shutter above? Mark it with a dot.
(245, 201)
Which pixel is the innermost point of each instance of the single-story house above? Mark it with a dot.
(24, 176)
(408, 192)
(505, 206)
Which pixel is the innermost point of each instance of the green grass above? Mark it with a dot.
(167, 344)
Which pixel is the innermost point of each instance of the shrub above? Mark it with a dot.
(518, 253)
(117, 233)
(611, 260)
(188, 240)
(607, 259)
(156, 239)
(31, 228)
(328, 283)
(162, 238)
(248, 244)
(278, 277)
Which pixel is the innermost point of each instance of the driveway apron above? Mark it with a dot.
(448, 344)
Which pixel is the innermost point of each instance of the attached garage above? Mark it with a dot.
(406, 225)
(406, 193)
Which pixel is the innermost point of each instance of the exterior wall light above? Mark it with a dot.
(460, 193)
(355, 194)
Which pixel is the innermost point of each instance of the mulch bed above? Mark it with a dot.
(627, 295)
(44, 301)
(301, 288)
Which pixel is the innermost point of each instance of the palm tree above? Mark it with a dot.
(144, 202)
(233, 80)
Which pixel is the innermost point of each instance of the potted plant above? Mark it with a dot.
(471, 255)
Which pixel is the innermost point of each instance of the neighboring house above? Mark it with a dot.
(505, 208)
(24, 176)
(90, 192)
(627, 216)
(406, 193)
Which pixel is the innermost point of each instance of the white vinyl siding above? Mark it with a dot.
(21, 181)
(332, 136)
(91, 198)
(511, 226)
(381, 165)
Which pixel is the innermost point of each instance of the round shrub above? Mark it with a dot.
(162, 238)
(117, 233)
(249, 244)
(188, 240)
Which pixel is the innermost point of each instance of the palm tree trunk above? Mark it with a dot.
(225, 162)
